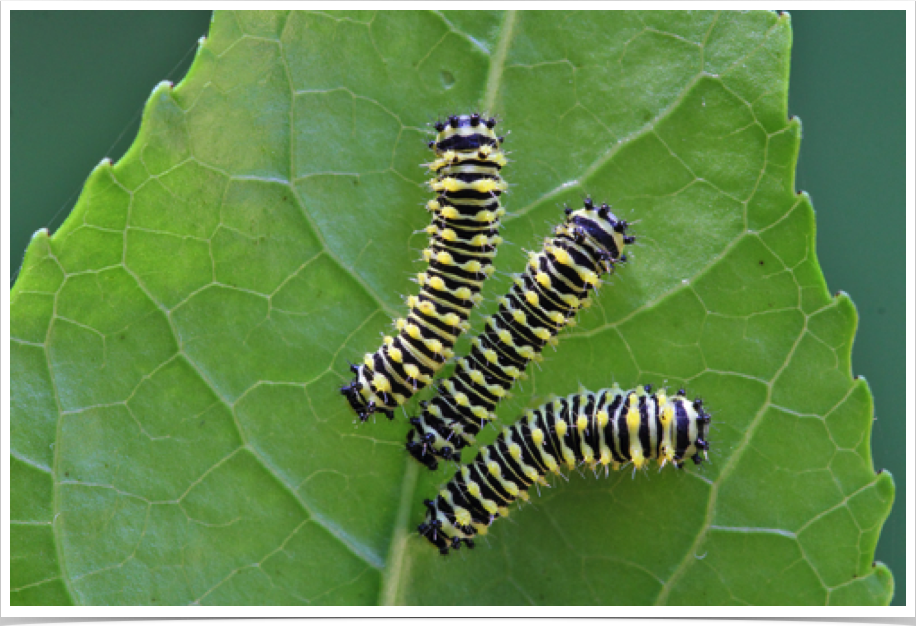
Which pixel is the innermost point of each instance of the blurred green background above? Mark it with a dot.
(79, 81)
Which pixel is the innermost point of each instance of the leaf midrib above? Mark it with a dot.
(396, 569)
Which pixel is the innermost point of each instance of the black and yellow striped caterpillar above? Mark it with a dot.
(609, 428)
(463, 238)
(543, 300)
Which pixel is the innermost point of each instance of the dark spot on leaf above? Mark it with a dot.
(67, 474)
(356, 182)
(760, 262)
(284, 197)
(646, 116)
(122, 337)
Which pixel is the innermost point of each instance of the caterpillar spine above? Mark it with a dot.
(463, 237)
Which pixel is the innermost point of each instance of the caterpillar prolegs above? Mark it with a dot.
(610, 428)
(542, 301)
(463, 237)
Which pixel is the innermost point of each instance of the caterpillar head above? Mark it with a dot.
(599, 225)
(690, 429)
(465, 133)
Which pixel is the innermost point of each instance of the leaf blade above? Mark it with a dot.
(266, 158)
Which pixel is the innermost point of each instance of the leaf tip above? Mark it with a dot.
(885, 485)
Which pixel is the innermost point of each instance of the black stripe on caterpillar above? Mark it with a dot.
(543, 300)
(610, 428)
(463, 237)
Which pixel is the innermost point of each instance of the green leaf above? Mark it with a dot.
(177, 435)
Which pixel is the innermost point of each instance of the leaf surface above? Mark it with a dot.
(177, 435)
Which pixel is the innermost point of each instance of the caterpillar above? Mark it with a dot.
(543, 300)
(463, 237)
(610, 428)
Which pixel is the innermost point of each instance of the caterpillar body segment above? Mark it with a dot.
(463, 238)
(542, 301)
(611, 428)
